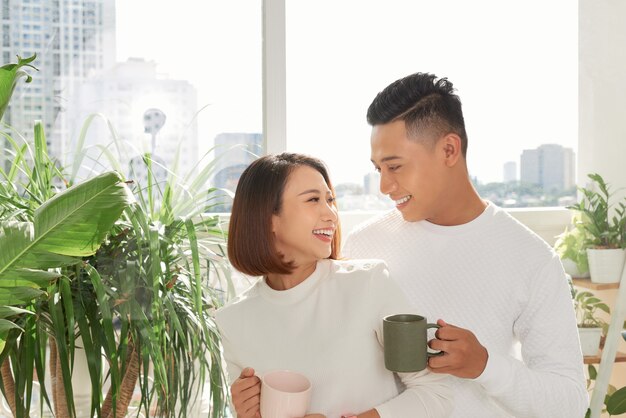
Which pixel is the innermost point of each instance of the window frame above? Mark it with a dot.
(547, 222)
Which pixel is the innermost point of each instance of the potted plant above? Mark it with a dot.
(591, 327)
(136, 305)
(605, 225)
(615, 399)
(571, 247)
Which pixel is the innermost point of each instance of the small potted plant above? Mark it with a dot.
(571, 247)
(605, 227)
(591, 328)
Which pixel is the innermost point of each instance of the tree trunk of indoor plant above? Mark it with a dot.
(58, 385)
(129, 381)
(9, 383)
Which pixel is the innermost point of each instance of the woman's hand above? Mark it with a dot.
(246, 394)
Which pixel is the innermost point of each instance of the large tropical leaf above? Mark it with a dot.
(17, 242)
(75, 222)
(18, 295)
(6, 311)
(28, 277)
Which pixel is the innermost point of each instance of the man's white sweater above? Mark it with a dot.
(498, 279)
(329, 328)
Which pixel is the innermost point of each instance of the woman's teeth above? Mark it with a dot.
(328, 232)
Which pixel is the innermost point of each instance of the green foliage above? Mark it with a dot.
(586, 306)
(616, 404)
(571, 244)
(100, 269)
(9, 76)
(615, 399)
(605, 229)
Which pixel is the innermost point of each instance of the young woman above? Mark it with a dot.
(310, 312)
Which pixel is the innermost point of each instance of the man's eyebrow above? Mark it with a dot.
(384, 160)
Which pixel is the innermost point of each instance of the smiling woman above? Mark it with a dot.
(310, 312)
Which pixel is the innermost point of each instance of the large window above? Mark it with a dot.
(174, 79)
(514, 65)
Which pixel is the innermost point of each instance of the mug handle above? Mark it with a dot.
(433, 353)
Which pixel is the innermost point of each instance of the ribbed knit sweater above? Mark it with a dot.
(329, 327)
(500, 280)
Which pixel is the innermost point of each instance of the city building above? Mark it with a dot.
(124, 96)
(550, 166)
(233, 151)
(72, 39)
(371, 183)
(509, 172)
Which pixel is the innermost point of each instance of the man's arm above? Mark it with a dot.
(426, 394)
(550, 382)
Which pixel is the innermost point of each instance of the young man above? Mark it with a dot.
(507, 323)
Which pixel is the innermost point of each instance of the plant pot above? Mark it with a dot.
(570, 268)
(605, 265)
(590, 340)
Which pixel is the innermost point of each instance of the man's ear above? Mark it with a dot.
(450, 145)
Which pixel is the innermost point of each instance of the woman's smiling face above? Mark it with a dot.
(307, 221)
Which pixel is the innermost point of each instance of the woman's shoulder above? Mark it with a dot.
(238, 304)
(360, 267)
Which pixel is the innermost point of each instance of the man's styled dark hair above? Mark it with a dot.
(425, 103)
(251, 245)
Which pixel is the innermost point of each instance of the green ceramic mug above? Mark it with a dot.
(406, 342)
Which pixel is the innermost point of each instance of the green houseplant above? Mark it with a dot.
(615, 399)
(571, 246)
(604, 226)
(591, 326)
(137, 307)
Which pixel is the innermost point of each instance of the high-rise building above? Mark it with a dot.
(233, 153)
(123, 95)
(510, 171)
(550, 166)
(72, 39)
(371, 183)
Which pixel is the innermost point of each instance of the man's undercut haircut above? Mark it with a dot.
(251, 242)
(428, 106)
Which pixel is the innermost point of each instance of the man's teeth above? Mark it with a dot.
(403, 200)
(328, 232)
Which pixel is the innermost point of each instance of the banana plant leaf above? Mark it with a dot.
(73, 223)
(16, 249)
(27, 277)
(18, 295)
(6, 311)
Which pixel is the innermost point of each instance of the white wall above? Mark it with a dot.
(602, 91)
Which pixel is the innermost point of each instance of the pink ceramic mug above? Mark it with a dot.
(284, 394)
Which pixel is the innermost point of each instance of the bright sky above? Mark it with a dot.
(514, 64)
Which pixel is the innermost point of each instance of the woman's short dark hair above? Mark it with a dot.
(251, 245)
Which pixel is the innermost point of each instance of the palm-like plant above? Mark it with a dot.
(56, 234)
(135, 301)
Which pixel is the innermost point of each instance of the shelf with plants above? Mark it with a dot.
(619, 358)
(595, 243)
(588, 284)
